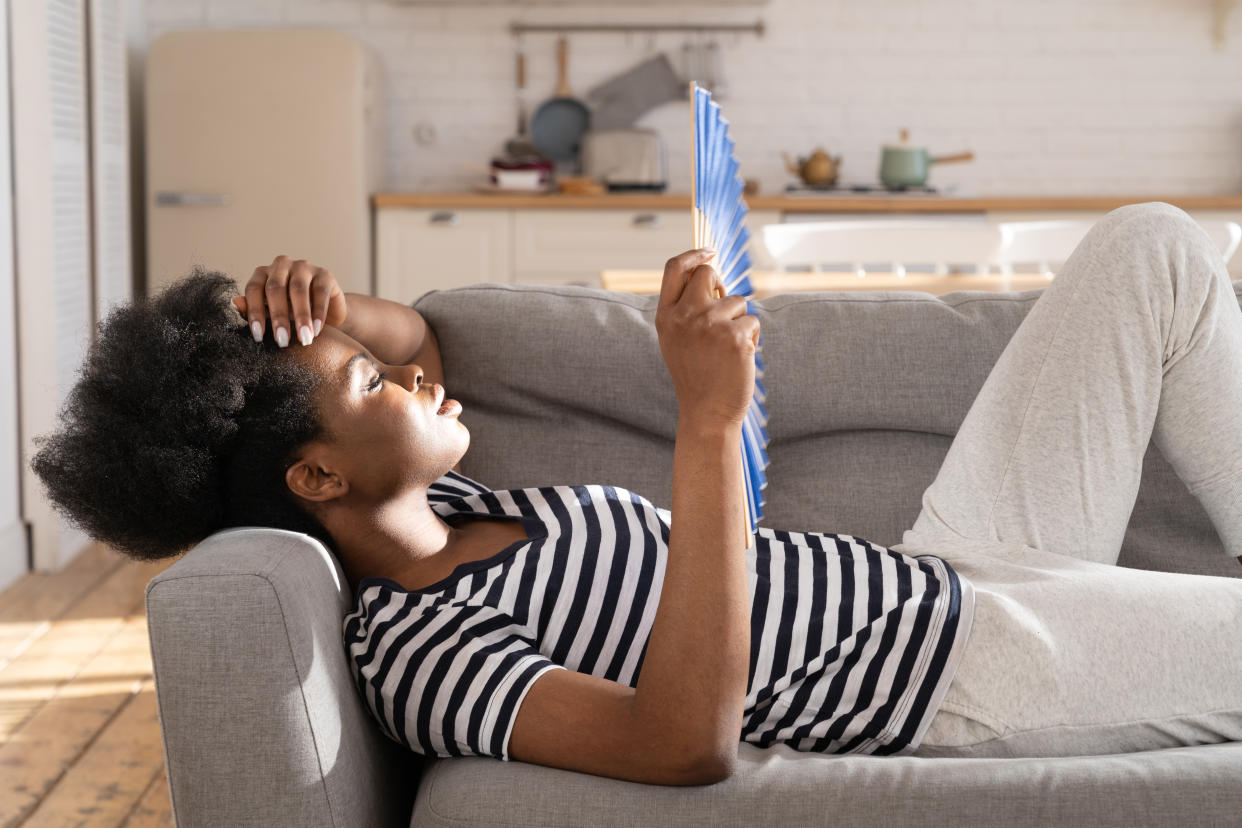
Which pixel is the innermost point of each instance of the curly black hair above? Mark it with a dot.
(179, 425)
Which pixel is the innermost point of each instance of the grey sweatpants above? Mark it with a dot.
(1138, 338)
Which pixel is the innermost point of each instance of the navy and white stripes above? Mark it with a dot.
(852, 645)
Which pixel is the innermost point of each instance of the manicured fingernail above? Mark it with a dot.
(318, 326)
(709, 252)
(282, 337)
(304, 335)
(256, 328)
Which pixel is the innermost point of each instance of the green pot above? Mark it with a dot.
(902, 165)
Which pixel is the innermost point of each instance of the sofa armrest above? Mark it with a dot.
(261, 721)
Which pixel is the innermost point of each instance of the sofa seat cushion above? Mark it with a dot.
(781, 786)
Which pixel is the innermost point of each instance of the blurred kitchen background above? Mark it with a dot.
(1054, 96)
(410, 145)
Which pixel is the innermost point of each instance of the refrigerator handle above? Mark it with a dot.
(165, 198)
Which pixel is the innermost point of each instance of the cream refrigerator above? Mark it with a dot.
(262, 142)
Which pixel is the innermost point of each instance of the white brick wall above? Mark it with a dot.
(1053, 96)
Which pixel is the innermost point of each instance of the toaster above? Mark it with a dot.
(625, 159)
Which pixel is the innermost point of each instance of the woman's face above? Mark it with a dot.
(380, 422)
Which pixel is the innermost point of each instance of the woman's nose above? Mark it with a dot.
(411, 377)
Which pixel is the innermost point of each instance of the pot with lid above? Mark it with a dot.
(903, 165)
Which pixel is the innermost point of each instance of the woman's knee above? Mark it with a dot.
(1153, 223)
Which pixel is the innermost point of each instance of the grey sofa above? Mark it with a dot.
(261, 721)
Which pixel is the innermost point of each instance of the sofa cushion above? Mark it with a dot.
(781, 787)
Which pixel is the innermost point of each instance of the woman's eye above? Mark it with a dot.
(378, 381)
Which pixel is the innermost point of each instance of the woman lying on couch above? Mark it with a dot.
(574, 626)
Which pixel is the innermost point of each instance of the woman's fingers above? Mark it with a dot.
(276, 291)
(675, 270)
(299, 297)
(327, 301)
(256, 309)
(300, 276)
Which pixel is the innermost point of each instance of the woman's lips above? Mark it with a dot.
(450, 407)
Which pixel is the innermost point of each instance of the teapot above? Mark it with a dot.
(820, 170)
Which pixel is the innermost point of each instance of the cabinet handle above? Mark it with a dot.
(444, 217)
(165, 198)
(647, 220)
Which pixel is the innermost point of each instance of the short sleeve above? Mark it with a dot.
(448, 682)
(453, 485)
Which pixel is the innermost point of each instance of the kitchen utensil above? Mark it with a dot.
(625, 159)
(819, 170)
(903, 165)
(718, 218)
(559, 122)
(621, 100)
(529, 172)
(521, 145)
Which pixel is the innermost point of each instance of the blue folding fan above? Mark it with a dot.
(719, 221)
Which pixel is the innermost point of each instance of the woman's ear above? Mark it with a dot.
(311, 479)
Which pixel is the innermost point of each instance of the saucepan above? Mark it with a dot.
(903, 165)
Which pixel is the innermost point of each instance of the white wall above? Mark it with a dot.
(1054, 96)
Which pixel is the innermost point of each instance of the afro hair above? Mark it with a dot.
(179, 425)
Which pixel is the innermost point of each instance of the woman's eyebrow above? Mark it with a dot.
(349, 366)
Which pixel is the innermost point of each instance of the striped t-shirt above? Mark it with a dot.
(852, 645)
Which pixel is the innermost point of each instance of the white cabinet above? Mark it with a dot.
(573, 246)
(421, 249)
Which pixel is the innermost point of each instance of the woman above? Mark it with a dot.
(474, 630)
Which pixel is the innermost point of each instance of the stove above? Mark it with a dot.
(857, 189)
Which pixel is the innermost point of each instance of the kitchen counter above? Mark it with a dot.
(843, 203)
(439, 240)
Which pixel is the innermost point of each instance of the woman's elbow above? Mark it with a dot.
(713, 767)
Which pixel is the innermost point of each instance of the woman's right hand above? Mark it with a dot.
(299, 297)
(708, 344)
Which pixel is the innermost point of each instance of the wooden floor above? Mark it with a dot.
(79, 738)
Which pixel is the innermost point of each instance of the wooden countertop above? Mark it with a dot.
(805, 204)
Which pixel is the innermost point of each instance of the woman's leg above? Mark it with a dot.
(1138, 338)
(1075, 658)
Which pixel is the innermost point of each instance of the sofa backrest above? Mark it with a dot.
(866, 390)
(262, 722)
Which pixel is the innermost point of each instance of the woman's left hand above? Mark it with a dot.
(291, 288)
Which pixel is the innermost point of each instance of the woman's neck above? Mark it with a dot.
(387, 539)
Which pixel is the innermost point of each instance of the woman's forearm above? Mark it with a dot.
(692, 688)
(392, 332)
